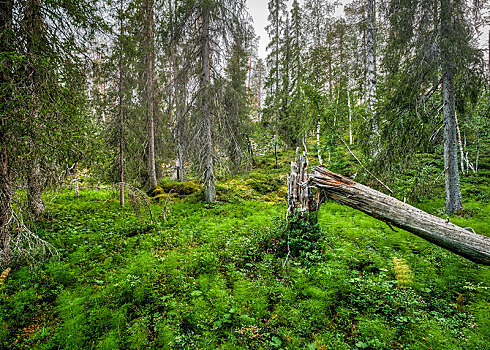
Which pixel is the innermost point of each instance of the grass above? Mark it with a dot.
(219, 277)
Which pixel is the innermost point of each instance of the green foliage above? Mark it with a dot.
(235, 275)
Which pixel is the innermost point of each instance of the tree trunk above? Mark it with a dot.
(276, 93)
(371, 57)
(388, 209)
(460, 142)
(371, 76)
(351, 139)
(5, 202)
(477, 151)
(453, 191)
(178, 92)
(77, 181)
(35, 187)
(121, 114)
(6, 7)
(259, 98)
(180, 159)
(34, 29)
(318, 142)
(209, 177)
(150, 95)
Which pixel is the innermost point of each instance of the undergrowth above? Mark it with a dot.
(235, 275)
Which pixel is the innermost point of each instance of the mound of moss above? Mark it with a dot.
(175, 189)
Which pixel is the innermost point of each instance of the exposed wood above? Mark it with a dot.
(300, 195)
(395, 213)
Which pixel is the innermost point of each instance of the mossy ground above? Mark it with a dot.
(218, 276)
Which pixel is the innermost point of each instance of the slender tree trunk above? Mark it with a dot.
(121, 112)
(77, 181)
(371, 56)
(259, 99)
(453, 191)
(35, 187)
(249, 71)
(5, 202)
(150, 95)
(371, 75)
(6, 7)
(179, 125)
(276, 101)
(351, 139)
(477, 151)
(178, 92)
(179, 115)
(180, 159)
(460, 142)
(318, 142)
(209, 177)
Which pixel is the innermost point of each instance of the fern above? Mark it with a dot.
(3, 277)
(403, 274)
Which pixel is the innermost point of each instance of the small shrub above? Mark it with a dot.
(297, 238)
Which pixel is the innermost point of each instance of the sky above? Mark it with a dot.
(259, 11)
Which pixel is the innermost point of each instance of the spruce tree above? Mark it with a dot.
(44, 124)
(429, 53)
(275, 61)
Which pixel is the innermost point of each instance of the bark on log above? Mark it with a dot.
(441, 232)
(467, 244)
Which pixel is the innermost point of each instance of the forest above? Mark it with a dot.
(166, 182)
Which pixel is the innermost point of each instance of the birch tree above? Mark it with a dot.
(371, 56)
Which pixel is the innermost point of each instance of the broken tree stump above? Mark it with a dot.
(396, 213)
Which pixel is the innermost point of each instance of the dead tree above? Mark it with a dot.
(395, 213)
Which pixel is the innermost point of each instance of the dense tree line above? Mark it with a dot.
(400, 71)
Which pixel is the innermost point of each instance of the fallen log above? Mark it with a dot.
(395, 213)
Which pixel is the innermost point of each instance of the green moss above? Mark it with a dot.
(232, 275)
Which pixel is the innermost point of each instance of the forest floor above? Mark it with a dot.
(218, 276)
